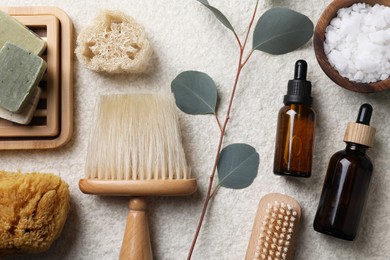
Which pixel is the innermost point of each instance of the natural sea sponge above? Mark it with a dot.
(115, 43)
(33, 210)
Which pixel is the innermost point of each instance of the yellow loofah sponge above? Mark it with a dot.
(33, 210)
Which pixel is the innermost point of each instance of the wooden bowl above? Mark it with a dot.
(319, 37)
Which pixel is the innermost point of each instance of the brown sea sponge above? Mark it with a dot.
(33, 210)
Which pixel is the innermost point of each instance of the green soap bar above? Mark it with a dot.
(27, 113)
(14, 32)
(20, 73)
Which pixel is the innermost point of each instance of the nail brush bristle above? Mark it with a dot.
(275, 228)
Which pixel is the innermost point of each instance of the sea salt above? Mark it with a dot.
(357, 42)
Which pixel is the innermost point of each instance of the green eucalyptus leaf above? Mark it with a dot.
(237, 166)
(195, 93)
(281, 30)
(220, 16)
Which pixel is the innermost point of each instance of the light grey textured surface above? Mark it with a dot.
(186, 36)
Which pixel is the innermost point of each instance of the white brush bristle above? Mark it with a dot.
(136, 137)
(276, 232)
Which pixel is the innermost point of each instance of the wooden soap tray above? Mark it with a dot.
(52, 123)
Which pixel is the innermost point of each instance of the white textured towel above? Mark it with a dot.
(186, 36)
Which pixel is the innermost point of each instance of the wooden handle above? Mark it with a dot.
(136, 241)
(179, 187)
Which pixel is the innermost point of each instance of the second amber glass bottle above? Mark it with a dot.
(347, 181)
(295, 130)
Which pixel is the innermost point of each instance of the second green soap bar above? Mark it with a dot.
(20, 73)
(14, 32)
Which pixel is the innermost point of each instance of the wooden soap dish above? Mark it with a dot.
(52, 123)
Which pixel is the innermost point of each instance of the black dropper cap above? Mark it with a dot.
(299, 89)
(364, 115)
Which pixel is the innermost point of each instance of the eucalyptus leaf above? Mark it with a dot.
(281, 30)
(220, 16)
(195, 93)
(237, 166)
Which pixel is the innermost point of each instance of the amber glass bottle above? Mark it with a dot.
(347, 181)
(295, 129)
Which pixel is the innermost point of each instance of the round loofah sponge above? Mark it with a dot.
(115, 43)
(33, 210)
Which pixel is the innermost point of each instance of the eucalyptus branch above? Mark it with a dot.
(278, 31)
(209, 195)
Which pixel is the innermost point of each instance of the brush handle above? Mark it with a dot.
(136, 241)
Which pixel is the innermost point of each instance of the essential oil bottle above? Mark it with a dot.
(347, 180)
(295, 129)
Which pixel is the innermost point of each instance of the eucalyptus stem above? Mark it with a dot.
(214, 191)
(247, 58)
(238, 40)
(250, 24)
(210, 194)
(218, 122)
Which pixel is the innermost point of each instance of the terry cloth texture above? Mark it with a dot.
(184, 36)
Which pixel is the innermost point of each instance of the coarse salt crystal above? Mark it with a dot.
(384, 76)
(336, 22)
(357, 42)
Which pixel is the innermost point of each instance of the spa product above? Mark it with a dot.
(33, 211)
(135, 150)
(347, 181)
(295, 129)
(14, 32)
(357, 42)
(275, 228)
(115, 43)
(27, 113)
(52, 125)
(20, 73)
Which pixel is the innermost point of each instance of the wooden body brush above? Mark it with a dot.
(275, 228)
(135, 150)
